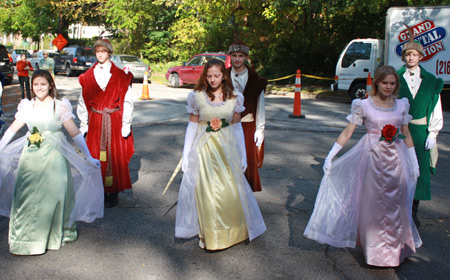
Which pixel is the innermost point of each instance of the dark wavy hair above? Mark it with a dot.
(227, 85)
(53, 92)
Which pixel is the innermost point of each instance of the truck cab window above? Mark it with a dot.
(355, 52)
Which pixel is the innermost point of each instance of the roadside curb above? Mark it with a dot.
(313, 96)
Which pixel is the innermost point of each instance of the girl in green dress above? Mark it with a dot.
(54, 186)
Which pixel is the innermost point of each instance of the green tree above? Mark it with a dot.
(142, 27)
(33, 18)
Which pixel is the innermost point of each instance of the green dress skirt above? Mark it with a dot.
(42, 203)
(43, 197)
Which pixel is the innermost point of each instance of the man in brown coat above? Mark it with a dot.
(247, 81)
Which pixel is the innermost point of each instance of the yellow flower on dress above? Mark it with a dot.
(35, 138)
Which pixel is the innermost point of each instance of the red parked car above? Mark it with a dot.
(191, 70)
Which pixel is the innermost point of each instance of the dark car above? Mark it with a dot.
(75, 60)
(191, 70)
(6, 65)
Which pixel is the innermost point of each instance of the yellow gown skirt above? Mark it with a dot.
(219, 208)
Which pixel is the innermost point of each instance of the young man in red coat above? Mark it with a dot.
(105, 109)
(253, 120)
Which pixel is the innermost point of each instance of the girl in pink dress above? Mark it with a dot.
(365, 196)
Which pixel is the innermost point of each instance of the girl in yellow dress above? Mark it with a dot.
(215, 200)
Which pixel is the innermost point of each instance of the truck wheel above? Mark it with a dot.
(68, 71)
(8, 82)
(358, 91)
(174, 80)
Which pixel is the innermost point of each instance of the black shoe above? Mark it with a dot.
(415, 209)
(111, 200)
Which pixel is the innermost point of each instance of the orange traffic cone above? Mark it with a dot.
(297, 114)
(368, 85)
(145, 92)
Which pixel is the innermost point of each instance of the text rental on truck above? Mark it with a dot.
(430, 26)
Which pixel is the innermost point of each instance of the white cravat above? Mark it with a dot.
(239, 82)
(239, 79)
(413, 80)
(102, 74)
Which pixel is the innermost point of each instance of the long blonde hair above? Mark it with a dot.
(380, 75)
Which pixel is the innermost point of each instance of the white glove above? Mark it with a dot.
(81, 144)
(191, 132)
(7, 137)
(126, 130)
(84, 129)
(429, 144)
(239, 134)
(414, 163)
(333, 152)
(259, 137)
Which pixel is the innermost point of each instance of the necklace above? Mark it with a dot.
(217, 94)
(381, 101)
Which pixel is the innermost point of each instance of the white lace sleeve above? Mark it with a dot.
(65, 110)
(357, 114)
(406, 116)
(239, 105)
(192, 106)
(23, 109)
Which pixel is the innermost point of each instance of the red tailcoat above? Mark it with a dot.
(122, 149)
(255, 156)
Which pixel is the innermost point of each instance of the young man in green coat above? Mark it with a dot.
(423, 91)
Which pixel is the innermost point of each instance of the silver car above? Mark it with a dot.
(134, 64)
(16, 54)
(38, 56)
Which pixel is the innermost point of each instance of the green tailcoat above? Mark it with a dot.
(422, 106)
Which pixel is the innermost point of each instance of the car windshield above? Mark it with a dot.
(221, 57)
(130, 59)
(53, 54)
(85, 52)
(195, 61)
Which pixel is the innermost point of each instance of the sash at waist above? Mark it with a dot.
(422, 121)
(105, 142)
(50, 131)
(105, 111)
(204, 123)
(248, 118)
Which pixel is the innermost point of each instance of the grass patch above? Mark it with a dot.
(159, 70)
(159, 78)
(318, 91)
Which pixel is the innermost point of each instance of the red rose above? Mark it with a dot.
(388, 132)
(215, 124)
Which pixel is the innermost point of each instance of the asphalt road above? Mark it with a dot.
(136, 239)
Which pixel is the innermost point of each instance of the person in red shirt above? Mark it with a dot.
(22, 71)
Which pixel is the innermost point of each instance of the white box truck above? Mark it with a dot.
(430, 25)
